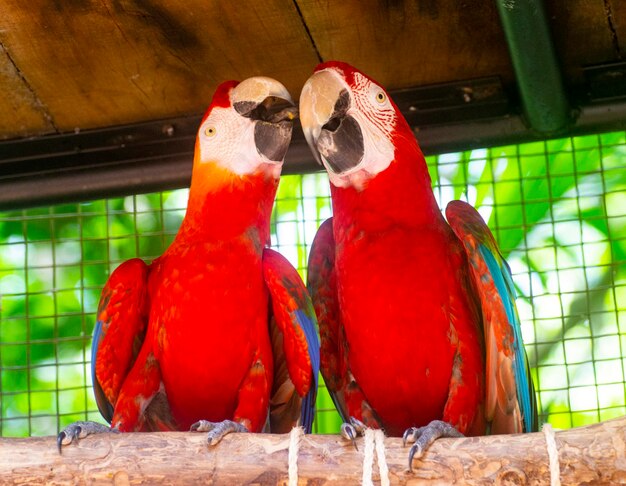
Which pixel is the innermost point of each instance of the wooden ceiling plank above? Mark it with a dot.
(405, 44)
(582, 35)
(79, 64)
(97, 63)
(617, 23)
(21, 112)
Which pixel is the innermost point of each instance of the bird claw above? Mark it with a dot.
(352, 430)
(217, 430)
(349, 432)
(80, 430)
(411, 435)
(202, 426)
(416, 451)
(423, 437)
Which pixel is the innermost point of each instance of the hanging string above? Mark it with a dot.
(380, 455)
(553, 455)
(368, 457)
(374, 439)
(294, 446)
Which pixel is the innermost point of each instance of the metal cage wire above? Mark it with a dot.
(557, 209)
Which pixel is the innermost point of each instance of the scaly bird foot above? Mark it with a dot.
(217, 430)
(423, 437)
(80, 430)
(352, 430)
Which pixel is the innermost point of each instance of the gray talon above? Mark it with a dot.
(352, 430)
(60, 438)
(410, 435)
(217, 430)
(358, 425)
(349, 432)
(416, 450)
(423, 437)
(202, 426)
(79, 430)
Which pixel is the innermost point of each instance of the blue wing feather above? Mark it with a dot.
(105, 407)
(488, 265)
(292, 308)
(307, 413)
(503, 281)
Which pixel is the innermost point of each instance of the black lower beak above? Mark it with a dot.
(272, 139)
(271, 109)
(273, 125)
(341, 143)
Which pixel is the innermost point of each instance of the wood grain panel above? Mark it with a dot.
(618, 14)
(21, 113)
(582, 35)
(409, 43)
(99, 63)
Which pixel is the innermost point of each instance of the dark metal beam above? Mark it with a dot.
(536, 67)
(157, 155)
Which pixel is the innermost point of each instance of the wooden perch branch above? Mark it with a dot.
(595, 454)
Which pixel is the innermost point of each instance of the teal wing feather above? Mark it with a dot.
(322, 284)
(295, 344)
(510, 404)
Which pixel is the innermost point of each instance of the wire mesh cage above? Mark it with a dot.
(557, 209)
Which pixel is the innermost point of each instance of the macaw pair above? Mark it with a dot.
(417, 320)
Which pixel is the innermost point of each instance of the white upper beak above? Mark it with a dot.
(257, 89)
(317, 104)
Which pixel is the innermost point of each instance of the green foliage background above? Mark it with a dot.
(557, 209)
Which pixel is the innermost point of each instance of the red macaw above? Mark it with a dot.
(219, 333)
(419, 331)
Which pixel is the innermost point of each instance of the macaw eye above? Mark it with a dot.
(210, 131)
(380, 97)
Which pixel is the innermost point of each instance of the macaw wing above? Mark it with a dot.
(119, 331)
(295, 345)
(510, 404)
(322, 284)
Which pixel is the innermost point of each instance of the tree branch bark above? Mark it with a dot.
(594, 454)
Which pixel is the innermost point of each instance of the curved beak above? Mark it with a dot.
(268, 103)
(333, 134)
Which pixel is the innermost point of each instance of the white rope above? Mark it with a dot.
(294, 446)
(553, 455)
(380, 455)
(374, 438)
(368, 457)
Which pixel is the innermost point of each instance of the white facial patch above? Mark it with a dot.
(227, 139)
(376, 116)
